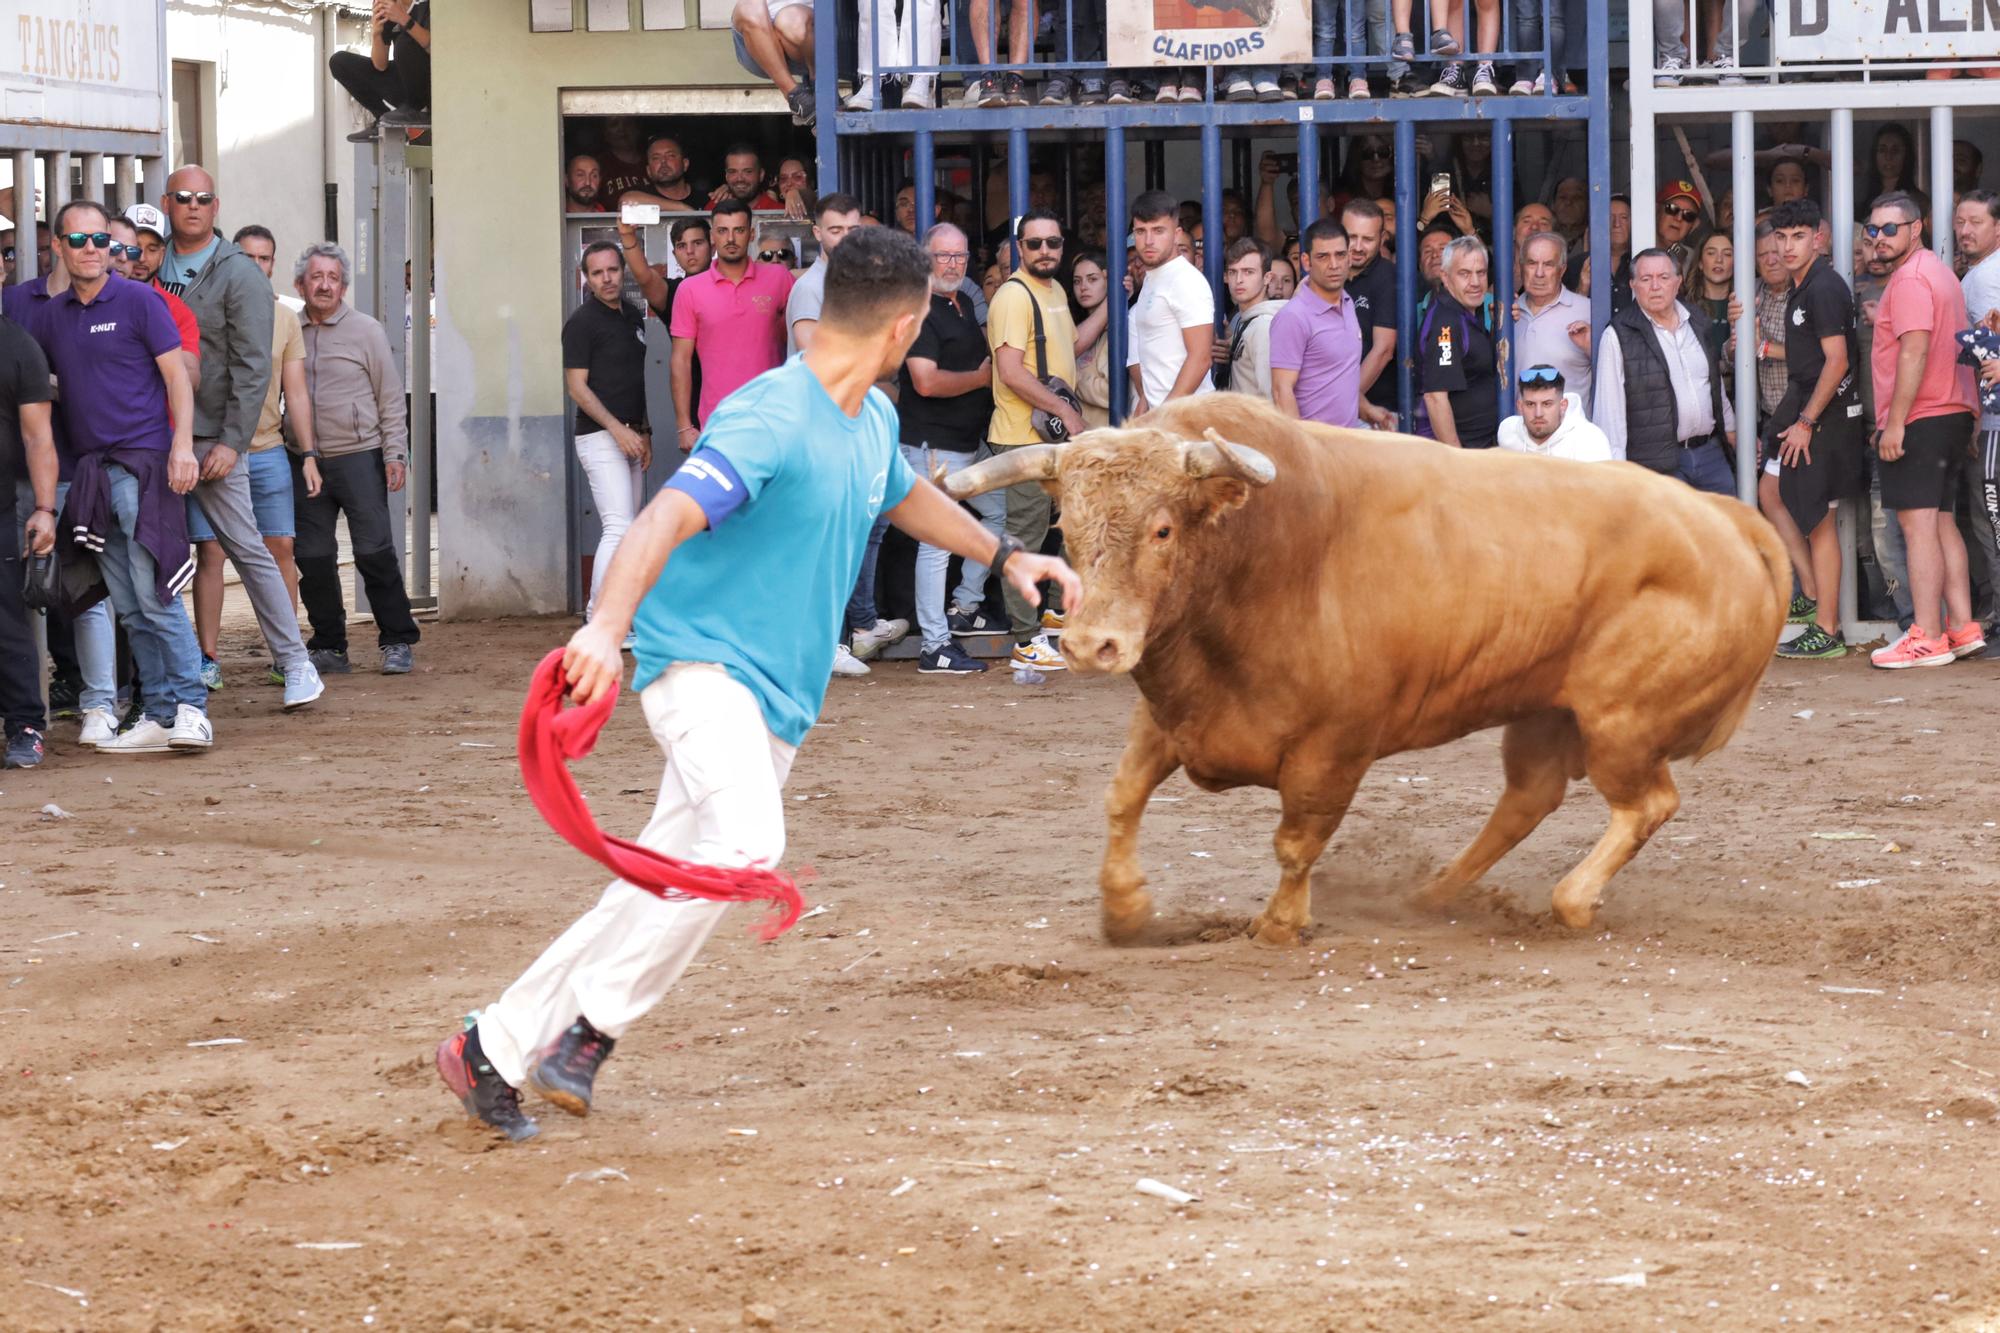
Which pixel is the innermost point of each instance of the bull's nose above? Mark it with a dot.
(1092, 650)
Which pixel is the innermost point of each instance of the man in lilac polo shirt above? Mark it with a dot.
(128, 407)
(1316, 347)
(732, 316)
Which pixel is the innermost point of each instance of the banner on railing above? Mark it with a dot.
(1855, 30)
(1210, 32)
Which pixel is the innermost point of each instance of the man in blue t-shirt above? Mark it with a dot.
(765, 525)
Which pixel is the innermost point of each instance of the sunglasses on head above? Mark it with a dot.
(1041, 242)
(81, 240)
(186, 197)
(1683, 213)
(1888, 229)
(1537, 375)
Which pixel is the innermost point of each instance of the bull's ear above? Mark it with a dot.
(1216, 497)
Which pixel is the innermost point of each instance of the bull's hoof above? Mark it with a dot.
(1125, 921)
(1574, 913)
(1274, 934)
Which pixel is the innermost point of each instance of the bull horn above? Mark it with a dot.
(1217, 457)
(1030, 462)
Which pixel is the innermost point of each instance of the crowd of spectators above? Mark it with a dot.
(168, 411)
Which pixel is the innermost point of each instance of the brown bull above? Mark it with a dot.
(1296, 602)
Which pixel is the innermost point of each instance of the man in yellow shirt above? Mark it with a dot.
(1019, 368)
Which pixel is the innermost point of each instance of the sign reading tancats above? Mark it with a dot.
(1210, 32)
(1885, 29)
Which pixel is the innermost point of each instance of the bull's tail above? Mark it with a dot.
(1770, 551)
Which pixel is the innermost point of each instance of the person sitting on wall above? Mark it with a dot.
(396, 72)
(774, 38)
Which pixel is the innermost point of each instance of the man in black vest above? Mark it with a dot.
(1659, 387)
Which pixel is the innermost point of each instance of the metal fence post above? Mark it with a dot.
(1942, 194)
(923, 173)
(1307, 179)
(1743, 184)
(1212, 244)
(1500, 278)
(1406, 267)
(1114, 262)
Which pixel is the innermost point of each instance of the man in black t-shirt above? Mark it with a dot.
(944, 403)
(27, 450)
(1458, 373)
(1371, 285)
(604, 370)
(1814, 440)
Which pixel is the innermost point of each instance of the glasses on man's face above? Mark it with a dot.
(1888, 229)
(92, 240)
(774, 257)
(186, 197)
(120, 250)
(949, 258)
(1537, 375)
(1041, 242)
(1680, 211)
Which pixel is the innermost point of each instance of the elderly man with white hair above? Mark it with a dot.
(362, 452)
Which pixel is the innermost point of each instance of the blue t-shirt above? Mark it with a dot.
(178, 270)
(762, 591)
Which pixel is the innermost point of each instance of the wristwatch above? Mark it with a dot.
(1009, 546)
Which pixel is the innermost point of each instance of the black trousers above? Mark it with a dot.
(405, 85)
(355, 485)
(20, 664)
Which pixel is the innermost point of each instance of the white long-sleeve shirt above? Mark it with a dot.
(1687, 369)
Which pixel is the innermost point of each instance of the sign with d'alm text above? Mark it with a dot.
(1855, 30)
(81, 64)
(1210, 32)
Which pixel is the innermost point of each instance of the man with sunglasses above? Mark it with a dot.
(232, 302)
(1924, 406)
(142, 260)
(1680, 218)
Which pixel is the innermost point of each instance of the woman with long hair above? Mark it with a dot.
(1892, 165)
(1090, 287)
(1714, 280)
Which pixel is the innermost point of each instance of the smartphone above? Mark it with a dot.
(1441, 183)
(1288, 163)
(639, 215)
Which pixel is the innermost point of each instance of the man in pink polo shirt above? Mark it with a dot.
(733, 315)
(1924, 412)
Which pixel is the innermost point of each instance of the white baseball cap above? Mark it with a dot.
(145, 217)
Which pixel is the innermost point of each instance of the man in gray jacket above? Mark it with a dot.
(231, 300)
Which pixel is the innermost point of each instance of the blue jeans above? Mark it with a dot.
(1894, 558)
(164, 653)
(96, 634)
(1528, 37)
(1706, 468)
(861, 606)
(1351, 35)
(934, 562)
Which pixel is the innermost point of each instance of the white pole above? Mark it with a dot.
(1640, 92)
(1941, 181)
(1743, 190)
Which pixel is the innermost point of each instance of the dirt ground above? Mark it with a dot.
(1763, 1092)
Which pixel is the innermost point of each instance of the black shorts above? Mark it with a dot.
(1837, 470)
(1934, 455)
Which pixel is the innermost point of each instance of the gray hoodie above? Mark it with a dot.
(231, 300)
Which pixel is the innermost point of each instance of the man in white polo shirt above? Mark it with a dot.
(1173, 323)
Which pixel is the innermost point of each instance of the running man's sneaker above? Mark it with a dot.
(1039, 654)
(479, 1087)
(398, 659)
(1913, 650)
(330, 661)
(1670, 71)
(1968, 640)
(211, 674)
(846, 663)
(143, 737)
(191, 730)
(1803, 610)
(25, 749)
(99, 726)
(1450, 82)
(1053, 620)
(1483, 82)
(871, 641)
(302, 685)
(1443, 43)
(1814, 643)
(567, 1070)
(950, 660)
(966, 624)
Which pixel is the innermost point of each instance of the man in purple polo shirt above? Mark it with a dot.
(1316, 347)
(128, 410)
(732, 316)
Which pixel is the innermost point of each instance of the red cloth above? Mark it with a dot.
(551, 736)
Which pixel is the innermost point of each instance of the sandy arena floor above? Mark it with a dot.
(1763, 1093)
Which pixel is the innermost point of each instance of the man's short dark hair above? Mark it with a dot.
(1036, 215)
(1796, 213)
(1248, 245)
(1362, 207)
(682, 226)
(598, 248)
(1798, 162)
(1324, 229)
(1557, 383)
(1901, 201)
(835, 203)
(874, 275)
(739, 149)
(728, 206)
(1985, 199)
(673, 139)
(1153, 205)
(1655, 252)
(61, 219)
(257, 230)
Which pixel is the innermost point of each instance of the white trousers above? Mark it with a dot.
(616, 485)
(720, 804)
(912, 40)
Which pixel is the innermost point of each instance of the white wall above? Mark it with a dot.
(277, 143)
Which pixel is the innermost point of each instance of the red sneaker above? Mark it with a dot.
(1968, 640)
(1913, 650)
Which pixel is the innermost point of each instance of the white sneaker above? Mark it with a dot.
(191, 730)
(1725, 69)
(1040, 654)
(862, 98)
(846, 663)
(920, 93)
(1670, 71)
(869, 642)
(98, 727)
(143, 737)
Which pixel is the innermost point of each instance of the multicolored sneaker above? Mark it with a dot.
(1803, 610)
(1814, 643)
(1913, 650)
(479, 1087)
(1968, 640)
(211, 674)
(568, 1069)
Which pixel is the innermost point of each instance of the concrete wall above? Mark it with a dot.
(278, 122)
(503, 505)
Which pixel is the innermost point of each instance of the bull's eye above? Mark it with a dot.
(1166, 531)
